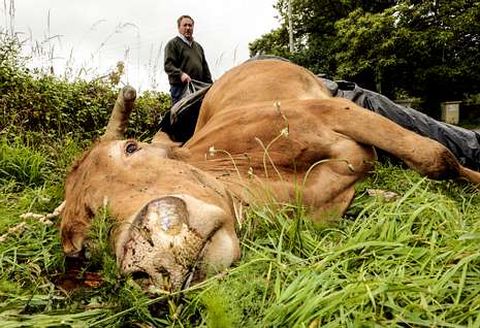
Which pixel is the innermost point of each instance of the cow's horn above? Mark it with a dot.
(117, 125)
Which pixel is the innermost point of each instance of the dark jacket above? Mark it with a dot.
(180, 57)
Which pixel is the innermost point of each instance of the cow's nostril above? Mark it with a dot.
(159, 277)
(142, 279)
(140, 275)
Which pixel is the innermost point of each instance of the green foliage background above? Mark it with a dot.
(401, 48)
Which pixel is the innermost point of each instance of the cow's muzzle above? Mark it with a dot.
(159, 248)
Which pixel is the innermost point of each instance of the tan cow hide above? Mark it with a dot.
(267, 132)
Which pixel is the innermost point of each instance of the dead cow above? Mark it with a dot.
(266, 130)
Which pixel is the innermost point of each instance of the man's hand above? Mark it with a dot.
(185, 78)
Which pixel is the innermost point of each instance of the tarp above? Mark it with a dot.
(179, 122)
(463, 143)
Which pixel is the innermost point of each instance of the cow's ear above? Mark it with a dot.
(172, 148)
(162, 138)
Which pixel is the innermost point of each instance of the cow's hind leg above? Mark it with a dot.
(422, 154)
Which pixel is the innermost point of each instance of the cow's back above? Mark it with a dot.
(258, 81)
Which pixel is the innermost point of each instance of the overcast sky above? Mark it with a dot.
(96, 34)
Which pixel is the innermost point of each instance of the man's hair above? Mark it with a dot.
(179, 20)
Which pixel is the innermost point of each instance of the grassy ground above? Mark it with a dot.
(412, 261)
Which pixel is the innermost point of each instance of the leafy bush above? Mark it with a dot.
(35, 102)
(78, 109)
(149, 108)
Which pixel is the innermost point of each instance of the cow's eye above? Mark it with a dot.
(131, 147)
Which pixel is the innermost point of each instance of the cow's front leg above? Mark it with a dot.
(326, 187)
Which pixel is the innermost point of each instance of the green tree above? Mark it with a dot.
(313, 30)
(428, 49)
(362, 48)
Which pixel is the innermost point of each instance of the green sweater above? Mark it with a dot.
(180, 57)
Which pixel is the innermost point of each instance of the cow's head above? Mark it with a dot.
(175, 222)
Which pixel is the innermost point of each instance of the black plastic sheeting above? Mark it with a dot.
(463, 143)
(180, 122)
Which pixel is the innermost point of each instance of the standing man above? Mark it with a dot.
(184, 59)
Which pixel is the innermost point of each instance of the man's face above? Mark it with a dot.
(186, 28)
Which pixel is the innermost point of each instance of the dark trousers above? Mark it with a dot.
(176, 92)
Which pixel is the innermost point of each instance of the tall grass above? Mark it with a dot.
(413, 261)
(410, 261)
(21, 163)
